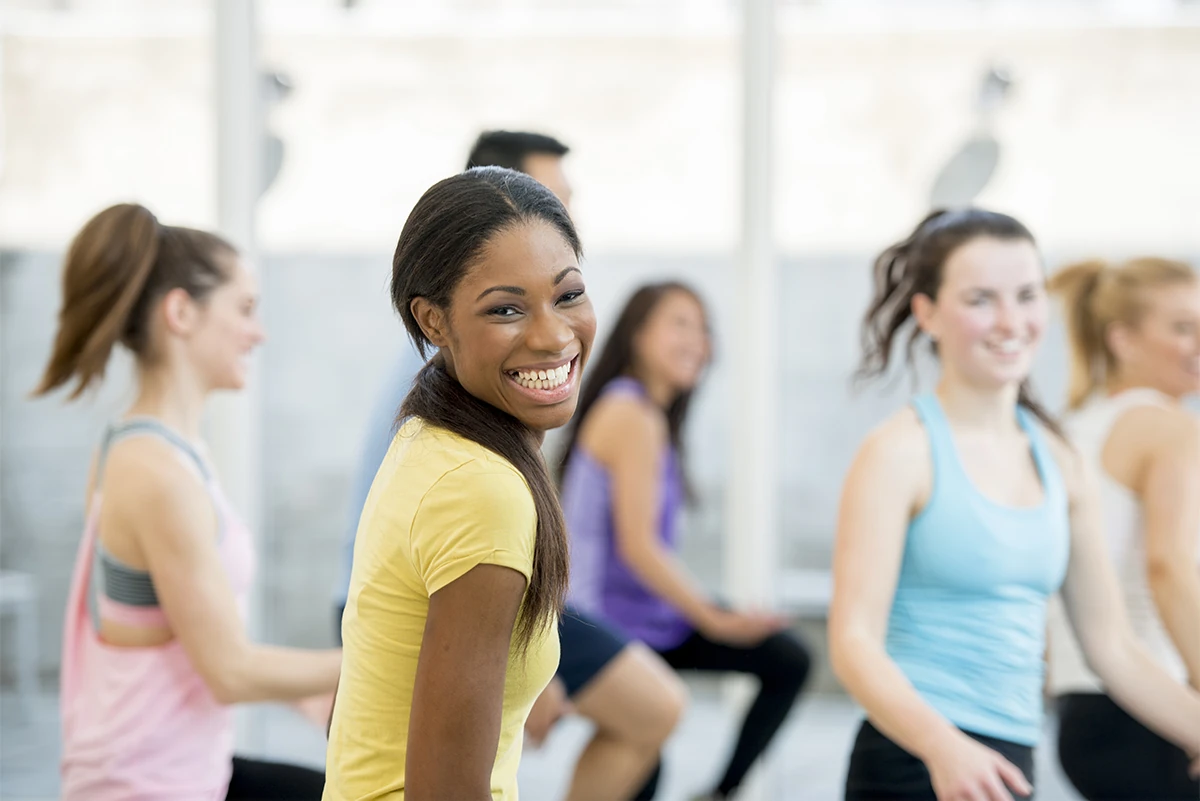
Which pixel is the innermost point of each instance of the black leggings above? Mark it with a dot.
(880, 770)
(255, 780)
(781, 663)
(1109, 756)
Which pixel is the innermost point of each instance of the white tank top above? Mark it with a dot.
(1088, 429)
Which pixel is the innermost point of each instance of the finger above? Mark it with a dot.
(994, 789)
(1014, 778)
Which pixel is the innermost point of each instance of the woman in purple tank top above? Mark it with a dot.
(623, 488)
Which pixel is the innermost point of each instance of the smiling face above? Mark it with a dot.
(990, 311)
(519, 326)
(1162, 348)
(673, 345)
(216, 335)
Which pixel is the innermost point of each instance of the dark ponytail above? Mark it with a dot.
(118, 266)
(915, 266)
(443, 237)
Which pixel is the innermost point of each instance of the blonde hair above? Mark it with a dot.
(1095, 294)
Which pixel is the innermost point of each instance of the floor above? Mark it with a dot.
(806, 763)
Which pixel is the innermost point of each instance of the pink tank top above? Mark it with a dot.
(139, 723)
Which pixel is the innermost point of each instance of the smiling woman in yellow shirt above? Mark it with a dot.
(460, 561)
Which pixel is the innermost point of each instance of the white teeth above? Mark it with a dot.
(544, 379)
(1008, 346)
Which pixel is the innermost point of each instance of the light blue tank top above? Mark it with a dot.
(968, 621)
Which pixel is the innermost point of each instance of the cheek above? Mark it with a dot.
(967, 325)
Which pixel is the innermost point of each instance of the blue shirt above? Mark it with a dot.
(968, 619)
(381, 429)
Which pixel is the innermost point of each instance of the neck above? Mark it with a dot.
(172, 396)
(658, 390)
(979, 408)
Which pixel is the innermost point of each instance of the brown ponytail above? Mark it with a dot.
(117, 267)
(1076, 285)
(1095, 295)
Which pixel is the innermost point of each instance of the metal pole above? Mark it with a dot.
(750, 528)
(232, 429)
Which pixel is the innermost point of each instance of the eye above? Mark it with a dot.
(572, 296)
(1027, 295)
(504, 311)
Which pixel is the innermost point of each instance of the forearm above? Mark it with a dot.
(1145, 691)
(891, 702)
(1176, 591)
(662, 573)
(273, 673)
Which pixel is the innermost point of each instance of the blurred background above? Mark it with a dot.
(1080, 118)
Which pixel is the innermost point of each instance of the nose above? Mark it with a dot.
(549, 333)
(1007, 315)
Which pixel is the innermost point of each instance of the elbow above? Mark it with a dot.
(843, 654)
(228, 681)
(1165, 573)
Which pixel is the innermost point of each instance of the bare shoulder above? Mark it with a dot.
(898, 441)
(1160, 431)
(147, 476)
(620, 420)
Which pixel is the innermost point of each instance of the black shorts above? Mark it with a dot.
(587, 645)
(880, 770)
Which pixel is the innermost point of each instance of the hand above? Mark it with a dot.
(550, 707)
(966, 770)
(316, 708)
(740, 628)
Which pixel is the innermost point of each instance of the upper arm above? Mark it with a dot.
(1090, 591)
(478, 513)
(1170, 493)
(458, 694)
(630, 439)
(882, 492)
(174, 521)
(472, 544)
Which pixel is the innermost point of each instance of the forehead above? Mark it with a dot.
(529, 255)
(1180, 298)
(676, 302)
(989, 262)
(544, 168)
(242, 275)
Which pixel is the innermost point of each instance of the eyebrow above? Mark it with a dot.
(516, 290)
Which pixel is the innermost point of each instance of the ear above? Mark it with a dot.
(1118, 338)
(180, 312)
(433, 321)
(924, 311)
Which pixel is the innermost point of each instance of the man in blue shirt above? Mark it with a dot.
(631, 695)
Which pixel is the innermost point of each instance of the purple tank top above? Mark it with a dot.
(601, 583)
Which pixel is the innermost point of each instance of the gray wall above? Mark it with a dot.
(331, 334)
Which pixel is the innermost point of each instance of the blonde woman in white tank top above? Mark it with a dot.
(1135, 340)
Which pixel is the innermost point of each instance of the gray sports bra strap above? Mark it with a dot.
(147, 425)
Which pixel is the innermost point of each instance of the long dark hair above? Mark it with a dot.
(616, 359)
(443, 238)
(915, 266)
(118, 266)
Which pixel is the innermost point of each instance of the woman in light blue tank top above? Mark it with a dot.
(961, 515)
(623, 491)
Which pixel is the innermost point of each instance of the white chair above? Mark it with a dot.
(18, 597)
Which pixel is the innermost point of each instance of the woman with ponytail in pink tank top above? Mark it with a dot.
(155, 649)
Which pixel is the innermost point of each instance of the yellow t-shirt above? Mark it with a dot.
(440, 505)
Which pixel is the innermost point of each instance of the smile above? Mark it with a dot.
(548, 384)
